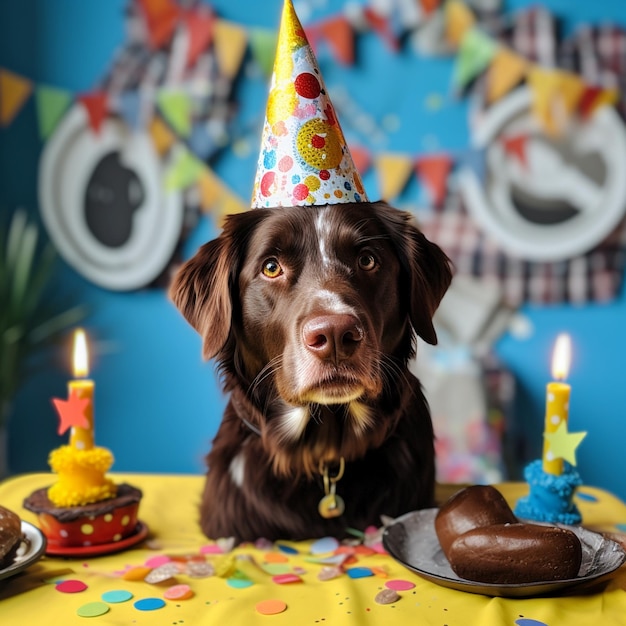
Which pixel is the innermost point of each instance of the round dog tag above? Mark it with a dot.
(331, 505)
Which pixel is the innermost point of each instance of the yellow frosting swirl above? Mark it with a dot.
(82, 478)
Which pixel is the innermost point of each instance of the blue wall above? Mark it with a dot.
(158, 404)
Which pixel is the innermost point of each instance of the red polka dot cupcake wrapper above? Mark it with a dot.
(304, 159)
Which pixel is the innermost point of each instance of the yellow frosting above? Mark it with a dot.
(82, 476)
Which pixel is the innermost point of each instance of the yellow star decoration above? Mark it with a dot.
(563, 444)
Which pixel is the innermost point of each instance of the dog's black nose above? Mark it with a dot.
(332, 337)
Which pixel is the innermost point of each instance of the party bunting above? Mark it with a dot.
(51, 103)
(393, 171)
(216, 197)
(263, 47)
(129, 108)
(199, 23)
(231, 41)
(555, 96)
(361, 157)
(175, 105)
(185, 170)
(515, 145)
(458, 20)
(96, 106)
(14, 91)
(475, 53)
(161, 18)
(433, 171)
(506, 71)
(595, 97)
(338, 34)
(429, 6)
(162, 137)
(380, 25)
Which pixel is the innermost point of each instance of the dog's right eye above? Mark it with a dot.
(272, 268)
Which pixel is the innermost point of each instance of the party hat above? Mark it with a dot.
(304, 158)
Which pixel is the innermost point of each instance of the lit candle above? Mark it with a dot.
(557, 400)
(82, 438)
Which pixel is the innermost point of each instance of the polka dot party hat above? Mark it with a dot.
(304, 158)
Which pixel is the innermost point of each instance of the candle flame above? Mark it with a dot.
(81, 357)
(561, 357)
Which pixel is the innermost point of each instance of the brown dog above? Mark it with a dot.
(311, 313)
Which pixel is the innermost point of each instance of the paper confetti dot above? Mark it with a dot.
(71, 586)
(386, 596)
(275, 557)
(239, 583)
(324, 545)
(149, 604)
(285, 579)
(92, 609)
(136, 573)
(157, 561)
(286, 549)
(329, 572)
(116, 596)
(271, 607)
(399, 585)
(529, 622)
(359, 572)
(178, 592)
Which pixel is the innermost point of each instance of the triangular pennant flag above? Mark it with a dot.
(507, 69)
(475, 53)
(162, 137)
(161, 17)
(555, 97)
(95, 104)
(429, 6)
(129, 108)
(515, 145)
(339, 35)
(393, 172)
(231, 41)
(185, 170)
(380, 25)
(51, 103)
(176, 107)
(199, 23)
(433, 171)
(263, 48)
(459, 19)
(475, 160)
(362, 158)
(594, 97)
(14, 91)
(216, 197)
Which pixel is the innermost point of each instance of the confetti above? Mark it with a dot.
(386, 596)
(275, 557)
(324, 545)
(286, 549)
(285, 579)
(162, 573)
(211, 548)
(271, 607)
(328, 573)
(71, 586)
(157, 561)
(199, 569)
(92, 609)
(399, 585)
(178, 592)
(116, 596)
(239, 583)
(359, 572)
(149, 604)
(136, 573)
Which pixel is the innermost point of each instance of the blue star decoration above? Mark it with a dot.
(563, 444)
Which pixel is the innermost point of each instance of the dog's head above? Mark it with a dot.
(313, 312)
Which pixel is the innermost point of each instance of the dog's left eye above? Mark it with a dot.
(272, 268)
(367, 261)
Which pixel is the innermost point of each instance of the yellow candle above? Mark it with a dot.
(82, 438)
(557, 401)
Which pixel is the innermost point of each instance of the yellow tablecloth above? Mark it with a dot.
(169, 508)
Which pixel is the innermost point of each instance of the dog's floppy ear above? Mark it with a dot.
(201, 291)
(203, 287)
(428, 268)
